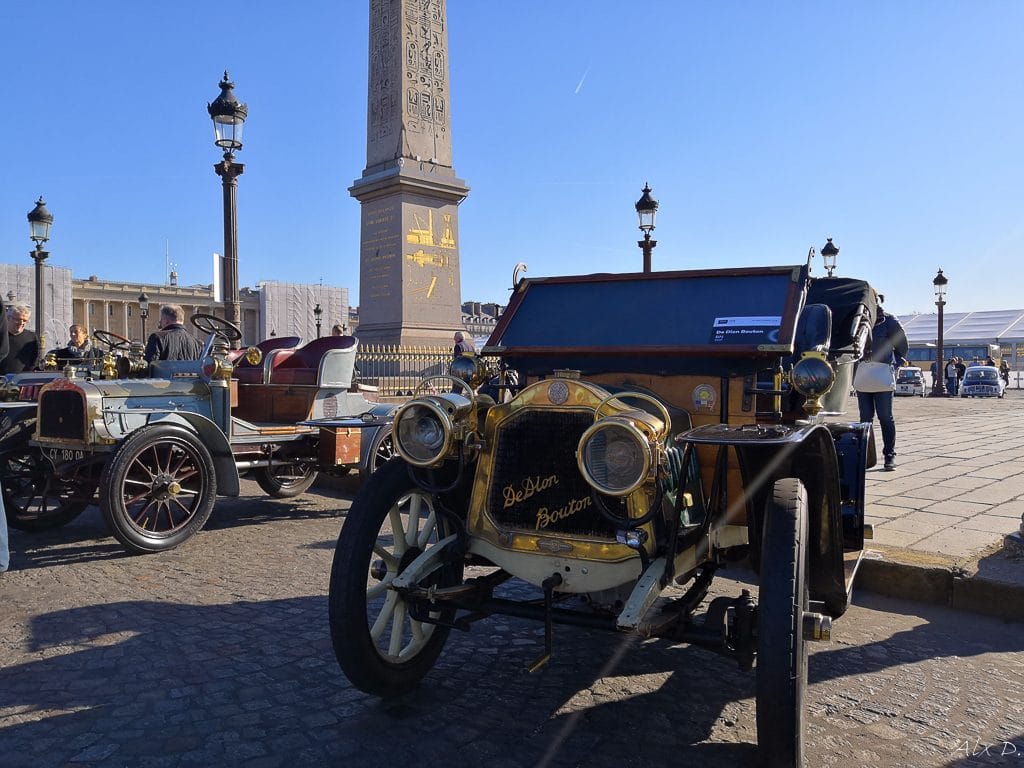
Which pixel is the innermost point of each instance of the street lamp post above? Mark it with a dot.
(829, 256)
(646, 209)
(317, 311)
(939, 385)
(143, 312)
(228, 117)
(39, 221)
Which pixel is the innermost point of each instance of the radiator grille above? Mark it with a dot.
(536, 484)
(62, 415)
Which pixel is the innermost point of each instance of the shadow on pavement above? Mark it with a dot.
(228, 683)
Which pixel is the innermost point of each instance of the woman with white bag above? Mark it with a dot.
(875, 379)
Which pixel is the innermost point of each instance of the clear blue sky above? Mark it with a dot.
(894, 127)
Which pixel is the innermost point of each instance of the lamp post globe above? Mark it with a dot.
(646, 210)
(39, 221)
(317, 312)
(829, 256)
(939, 383)
(228, 115)
(143, 312)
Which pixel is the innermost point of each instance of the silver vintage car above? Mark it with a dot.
(161, 446)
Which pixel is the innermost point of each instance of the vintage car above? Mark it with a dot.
(909, 381)
(161, 446)
(643, 449)
(982, 381)
(35, 497)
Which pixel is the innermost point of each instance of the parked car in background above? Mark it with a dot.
(982, 381)
(636, 451)
(910, 381)
(160, 447)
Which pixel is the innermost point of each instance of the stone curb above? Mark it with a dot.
(941, 580)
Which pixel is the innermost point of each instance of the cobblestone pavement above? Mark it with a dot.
(218, 654)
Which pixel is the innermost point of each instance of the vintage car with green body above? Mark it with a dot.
(159, 447)
(666, 424)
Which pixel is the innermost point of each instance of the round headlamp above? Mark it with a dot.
(424, 430)
(812, 376)
(469, 369)
(614, 456)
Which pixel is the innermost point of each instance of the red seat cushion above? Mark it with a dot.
(301, 366)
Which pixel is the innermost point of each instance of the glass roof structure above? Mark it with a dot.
(991, 326)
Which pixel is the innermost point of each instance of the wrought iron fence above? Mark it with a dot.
(396, 370)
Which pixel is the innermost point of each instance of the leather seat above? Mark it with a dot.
(302, 365)
(245, 372)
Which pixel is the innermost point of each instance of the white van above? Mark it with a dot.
(910, 381)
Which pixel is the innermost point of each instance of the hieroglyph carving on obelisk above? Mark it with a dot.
(409, 286)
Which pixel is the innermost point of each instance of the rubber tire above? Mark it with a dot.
(22, 520)
(286, 489)
(781, 649)
(355, 650)
(112, 483)
(381, 451)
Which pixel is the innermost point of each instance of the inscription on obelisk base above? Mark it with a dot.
(409, 288)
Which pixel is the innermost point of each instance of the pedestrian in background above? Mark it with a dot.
(961, 369)
(886, 344)
(951, 376)
(5, 551)
(463, 345)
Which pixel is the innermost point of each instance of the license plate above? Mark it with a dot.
(61, 455)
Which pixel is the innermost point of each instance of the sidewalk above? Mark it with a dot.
(947, 522)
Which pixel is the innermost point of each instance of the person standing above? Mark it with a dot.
(951, 376)
(172, 341)
(961, 369)
(887, 344)
(463, 345)
(5, 551)
(23, 345)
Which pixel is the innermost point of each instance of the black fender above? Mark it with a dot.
(766, 453)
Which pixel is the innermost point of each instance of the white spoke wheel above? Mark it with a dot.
(381, 451)
(285, 481)
(158, 489)
(382, 643)
(781, 650)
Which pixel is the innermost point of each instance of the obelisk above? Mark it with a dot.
(409, 288)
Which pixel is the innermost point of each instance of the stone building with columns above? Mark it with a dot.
(113, 305)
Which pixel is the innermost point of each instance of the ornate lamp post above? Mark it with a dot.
(939, 384)
(143, 312)
(646, 209)
(829, 256)
(228, 117)
(317, 311)
(39, 221)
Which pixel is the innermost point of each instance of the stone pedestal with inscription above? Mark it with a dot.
(409, 288)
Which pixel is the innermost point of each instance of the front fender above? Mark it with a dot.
(767, 453)
(214, 440)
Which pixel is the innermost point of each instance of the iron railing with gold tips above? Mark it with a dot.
(396, 370)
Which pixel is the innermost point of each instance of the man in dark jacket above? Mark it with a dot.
(23, 345)
(888, 345)
(172, 341)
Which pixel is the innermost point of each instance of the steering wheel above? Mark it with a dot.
(111, 340)
(425, 384)
(217, 326)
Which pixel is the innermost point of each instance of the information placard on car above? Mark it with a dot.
(746, 329)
